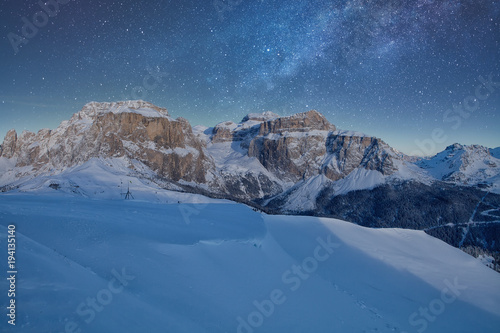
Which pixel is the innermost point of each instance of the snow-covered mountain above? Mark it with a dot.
(261, 156)
(110, 266)
(466, 165)
(299, 164)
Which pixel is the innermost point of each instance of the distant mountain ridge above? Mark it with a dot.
(472, 164)
(262, 156)
(299, 164)
(288, 149)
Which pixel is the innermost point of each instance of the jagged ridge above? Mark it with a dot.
(263, 156)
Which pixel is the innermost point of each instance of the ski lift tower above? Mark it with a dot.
(128, 195)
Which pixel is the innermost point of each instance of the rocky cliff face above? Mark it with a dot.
(292, 147)
(301, 122)
(266, 159)
(351, 151)
(133, 129)
(287, 150)
(259, 157)
(305, 145)
(8, 147)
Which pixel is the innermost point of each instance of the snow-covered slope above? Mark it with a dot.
(134, 266)
(302, 197)
(110, 178)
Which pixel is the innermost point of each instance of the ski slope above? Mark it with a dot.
(101, 265)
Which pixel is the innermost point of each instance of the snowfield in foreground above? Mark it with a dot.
(133, 266)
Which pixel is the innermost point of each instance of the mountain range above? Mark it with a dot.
(300, 164)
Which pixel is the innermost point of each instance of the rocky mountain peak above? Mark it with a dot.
(265, 116)
(457, 147)
(269, 122)
(134, 130)
(94, 109)
(454, 147)
(300, 122)
(255, 158)
(9, 144)
(464, 164)
(304, 145)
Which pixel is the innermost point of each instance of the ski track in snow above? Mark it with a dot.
(487, 213)
(471, 221)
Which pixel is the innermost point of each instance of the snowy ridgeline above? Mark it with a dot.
(87, 265)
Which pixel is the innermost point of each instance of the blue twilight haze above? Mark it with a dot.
(420, 74)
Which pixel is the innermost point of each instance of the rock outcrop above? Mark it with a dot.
(134, 129)
(306, 144)
(351, 151)
(264, 159)
(301, 122)
(223, 132)
(9, 144)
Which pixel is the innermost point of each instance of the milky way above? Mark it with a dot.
(398, 70)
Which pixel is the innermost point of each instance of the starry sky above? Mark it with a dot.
(420, 74)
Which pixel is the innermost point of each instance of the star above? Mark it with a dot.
(353, 61)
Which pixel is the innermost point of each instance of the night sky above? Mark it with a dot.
(398, 70)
